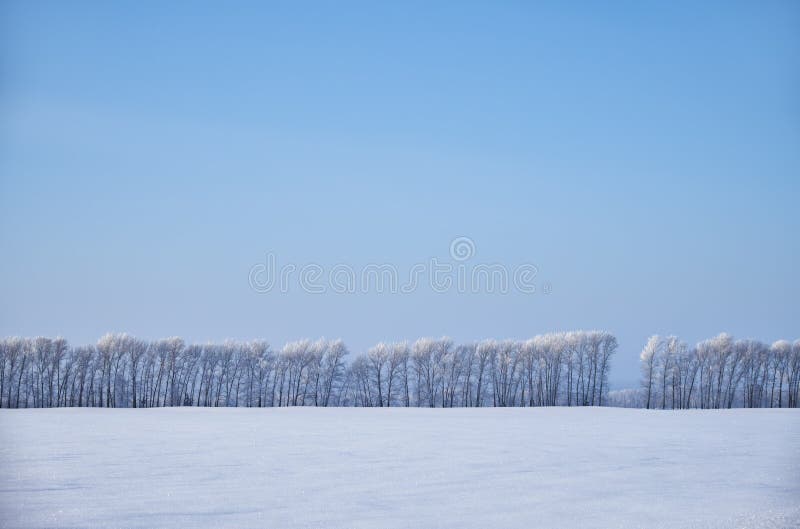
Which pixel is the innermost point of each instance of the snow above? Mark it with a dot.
(392, 468)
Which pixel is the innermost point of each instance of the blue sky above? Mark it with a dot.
(644, 156)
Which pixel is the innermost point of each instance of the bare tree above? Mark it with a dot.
(649, 357)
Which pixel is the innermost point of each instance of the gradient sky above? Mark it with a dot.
(645, 157)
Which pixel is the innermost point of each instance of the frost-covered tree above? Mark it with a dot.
(649, 357)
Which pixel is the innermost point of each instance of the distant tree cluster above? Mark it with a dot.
(717, 373)
(125, 372)
(568, 369)
(559, 369)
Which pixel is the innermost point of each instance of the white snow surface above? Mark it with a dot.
(399, 468)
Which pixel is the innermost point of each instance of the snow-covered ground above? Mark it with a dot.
(386, 468)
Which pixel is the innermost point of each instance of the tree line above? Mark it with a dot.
(569, 369)
(555, 369)
(720, 372)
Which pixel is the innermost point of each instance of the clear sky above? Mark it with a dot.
(645, 156)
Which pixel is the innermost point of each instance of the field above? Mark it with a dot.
(376, 468)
